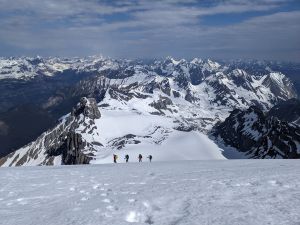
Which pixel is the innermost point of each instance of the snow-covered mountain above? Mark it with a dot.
(165, 108)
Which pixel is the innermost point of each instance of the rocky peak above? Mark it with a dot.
(87, 107)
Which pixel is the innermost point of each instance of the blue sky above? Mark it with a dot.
(224, 29)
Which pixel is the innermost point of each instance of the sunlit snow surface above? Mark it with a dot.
(186, 192)
(157, 137)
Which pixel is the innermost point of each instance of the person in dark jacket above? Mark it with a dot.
(115, 158)
(150, 158)
(140, 157)
(127, 158)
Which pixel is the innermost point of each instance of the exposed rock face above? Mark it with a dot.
(88, 108)
(71, 150)
(288, 111)
(260, 136)
(64, 142)
(162, 104)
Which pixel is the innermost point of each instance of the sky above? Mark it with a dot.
(220, 29)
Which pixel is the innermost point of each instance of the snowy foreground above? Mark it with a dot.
(186, 192)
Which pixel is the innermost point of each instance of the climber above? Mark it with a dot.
(150, 158)
(126, 158)
(140, 157)
(115, 158)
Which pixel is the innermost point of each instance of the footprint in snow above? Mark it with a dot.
(133, 217)
(275, 183)
(23, 202)
(151, 207)
(72, 188)
(137, 217)
(131, 200)
(112, 208)
(96, 186)
(84, 192)
(84, 198)
(97, 210)
(106, 200)
(107, 215)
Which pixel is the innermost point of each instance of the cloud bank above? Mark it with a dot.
(262, 29)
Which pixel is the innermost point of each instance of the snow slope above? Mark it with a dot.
(187, 193)
(155, 135)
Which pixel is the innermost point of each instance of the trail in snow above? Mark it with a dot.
(187, 192)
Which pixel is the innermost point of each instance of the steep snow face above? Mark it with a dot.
(279, 85)
(247, 192)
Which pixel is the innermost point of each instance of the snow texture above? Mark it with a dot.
(187, 193)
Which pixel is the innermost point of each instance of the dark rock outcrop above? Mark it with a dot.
(259, 136)
(71, 150)
(162, 104)
(63, 140)
(88, 108)
(288, 111)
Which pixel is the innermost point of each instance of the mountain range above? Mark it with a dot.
(83, 110)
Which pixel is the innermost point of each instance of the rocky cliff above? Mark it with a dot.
(64, 144)
(260, 136)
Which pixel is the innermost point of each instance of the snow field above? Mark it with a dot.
(187, 192)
